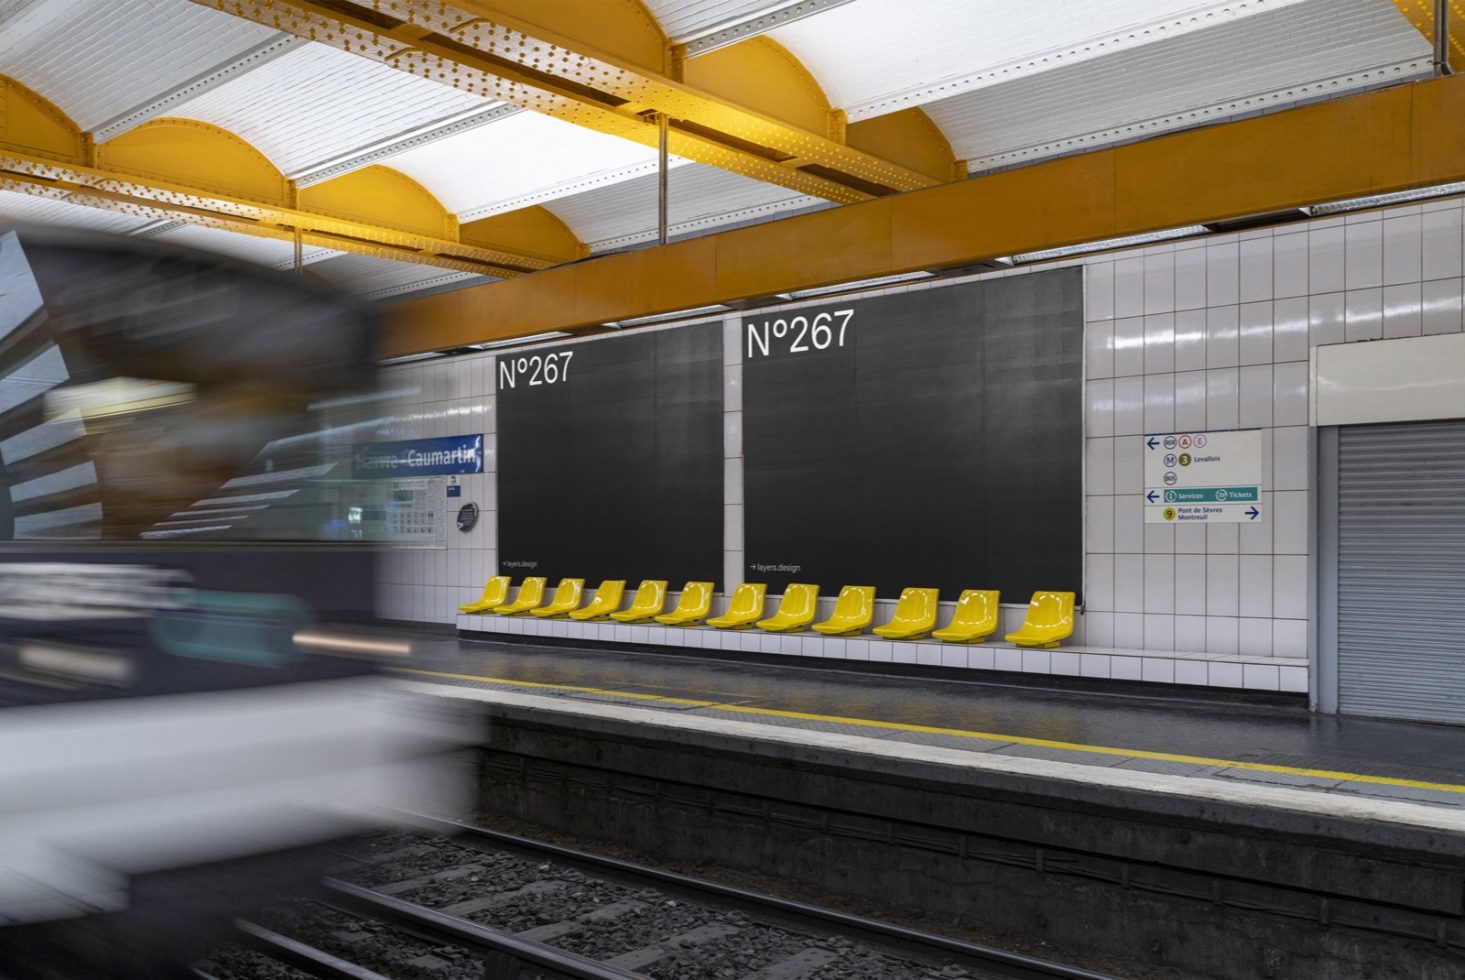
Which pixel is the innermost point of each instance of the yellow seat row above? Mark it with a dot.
(650, 598)
(1049, 618)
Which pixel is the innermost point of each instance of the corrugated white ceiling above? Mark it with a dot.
(96, 59)
(517, 161)
(681, 19)
(315, 103)
(877, 56)
(252, 248)
(25, 209)
(699, 198)
(1157, 87)
(377, 278)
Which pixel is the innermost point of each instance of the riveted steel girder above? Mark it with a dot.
(472, 46)
(157, 199)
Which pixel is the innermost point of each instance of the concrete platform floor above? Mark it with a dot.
(1161, 731)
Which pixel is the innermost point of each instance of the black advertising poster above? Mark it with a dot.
(932, 438)
(610, 458)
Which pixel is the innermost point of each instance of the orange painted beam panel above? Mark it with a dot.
(1392, 139)
(1348, 147)
(1055, 203)
(807, 250)
(1439, 131)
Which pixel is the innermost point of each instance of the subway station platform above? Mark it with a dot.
(1249, 740)
(1228, 834)
(1078, 659)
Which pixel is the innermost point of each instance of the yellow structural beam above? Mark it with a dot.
(495, 50)
(116, 191)
(1393, 139)
(193, 172)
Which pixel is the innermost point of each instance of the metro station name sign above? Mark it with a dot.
(1203, 477)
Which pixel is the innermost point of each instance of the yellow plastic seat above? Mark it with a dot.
(693, 605)
(975, 618)
(853, 611)
(744, 608)
(531, 594)
(495, 593)
(566, 598)
(607, 599)
(915, 613)
(649, 600)
(796, 610)
(1049, 621)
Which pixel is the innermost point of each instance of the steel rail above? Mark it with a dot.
(883, 934)
(441, 927)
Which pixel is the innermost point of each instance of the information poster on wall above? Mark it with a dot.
(412, 513)
(1203, 477)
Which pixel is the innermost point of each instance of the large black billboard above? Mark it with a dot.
(610, 460)
(931, 438)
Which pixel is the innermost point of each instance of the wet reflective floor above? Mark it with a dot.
(1151, 719)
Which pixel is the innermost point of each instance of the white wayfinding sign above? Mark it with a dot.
(1203, 477)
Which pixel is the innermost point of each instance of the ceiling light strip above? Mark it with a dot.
(1106, 244)
(1384, 200)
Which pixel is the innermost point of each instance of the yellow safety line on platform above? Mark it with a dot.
(1352, 777)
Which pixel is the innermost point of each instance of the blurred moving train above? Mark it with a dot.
(189, 692)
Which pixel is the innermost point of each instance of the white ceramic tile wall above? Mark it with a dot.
(1207, 333)
(1224, 343)
(434, 399)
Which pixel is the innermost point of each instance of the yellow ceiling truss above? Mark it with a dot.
(192, 172)
(744, 111)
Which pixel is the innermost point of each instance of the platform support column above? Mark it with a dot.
(1442, 38)
(661, 128)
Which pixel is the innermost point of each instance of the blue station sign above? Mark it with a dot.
(418, 457)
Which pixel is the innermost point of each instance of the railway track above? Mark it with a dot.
(454, 901)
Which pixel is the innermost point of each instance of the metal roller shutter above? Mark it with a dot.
(1401, 571)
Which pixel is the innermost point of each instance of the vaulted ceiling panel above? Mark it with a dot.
(272, 252)
(700, 198)
(517, 161)
(375, 278)
(878, 56)
(27, 209)
(96, 60)
(1288, 55)
(683, 19)
(315, 103)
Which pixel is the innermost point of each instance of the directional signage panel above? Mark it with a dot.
(1203, 477)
